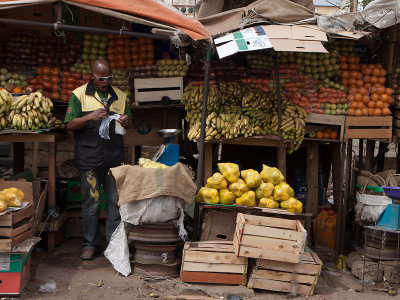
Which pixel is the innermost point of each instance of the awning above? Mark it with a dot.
(146, 12)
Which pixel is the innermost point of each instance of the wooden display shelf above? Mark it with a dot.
(379, 128)
(322, 119)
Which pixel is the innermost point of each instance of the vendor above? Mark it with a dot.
(94, 156)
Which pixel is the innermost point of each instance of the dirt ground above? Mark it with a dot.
(77, 279)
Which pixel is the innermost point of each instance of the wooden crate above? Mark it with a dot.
(286, 277)
(15, 227)
(369, 128)
(213, 262)
(324, 121)
(153, 89)
(269, 238)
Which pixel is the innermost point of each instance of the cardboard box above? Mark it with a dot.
(30, 189)
(269, 238)
(286, 277)
(13, 283)
(212, 262)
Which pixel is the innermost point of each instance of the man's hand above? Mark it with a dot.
(124, 121)
(98, 114)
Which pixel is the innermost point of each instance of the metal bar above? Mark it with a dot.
(360, 154)
(340, 204)
(346, 192)
(200, 160)
(59, 26)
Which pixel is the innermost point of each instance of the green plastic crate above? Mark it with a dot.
(74, 195)
(13, 262)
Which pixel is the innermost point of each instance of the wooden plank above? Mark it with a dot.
(9, 244)
(368, 121)
(11, 232)
(188, 297)
(213, 257)
(208, 277)
(267, 141)
(272, 244)
(276, 233)
(35, 150)
(145, 89)
(302, 268)
(325, 119)
(369, 133)
(10, 219)
(269, 254)
(270, 222)
(214, 268)
(281, 158)
(27, 138)
(284, 276)
(280, 286)
(299, 226)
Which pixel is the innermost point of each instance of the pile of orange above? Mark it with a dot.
(123, 52)
(368, 95)
(327, 134)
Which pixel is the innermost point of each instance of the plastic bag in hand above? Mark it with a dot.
(248, 199)
(272, 175)
(252, 178)
(226, 197)
(265, 190)
(217, 181)
(268, 202)
(239, 187)
(209, 195)
(104, 130)
(292, 205)
(230, 171)
(283, 192)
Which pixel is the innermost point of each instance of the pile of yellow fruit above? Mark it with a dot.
(11, 197)
(265, 189)
(148, 163)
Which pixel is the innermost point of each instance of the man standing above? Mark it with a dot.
(94, 156)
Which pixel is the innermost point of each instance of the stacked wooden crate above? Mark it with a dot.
(15, 227)
(213, 262)
(276, 248)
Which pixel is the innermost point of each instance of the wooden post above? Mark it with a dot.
(360, 154)
(52, 192)
(35, 149)
(281, 158)
(19, 157)
(208, 160)
(369, 156)
(312, 182)
(336, 168)
(346, 193)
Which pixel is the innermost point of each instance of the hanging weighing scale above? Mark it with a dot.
(168, 153)
(390, 217)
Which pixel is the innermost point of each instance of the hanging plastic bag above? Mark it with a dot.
(226, 197)
(104, 130)
(265, 190)
(272, 175)
(209, 195)
(268, 202)
(283, 192)
(239, 187)
(217, 181)
(292, 205)
(230, 171)
(248, 199)
(252, 178)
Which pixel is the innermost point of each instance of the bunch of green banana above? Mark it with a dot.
(32, 111)
(5, 104)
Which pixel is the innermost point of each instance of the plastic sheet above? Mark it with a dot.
(104, 130)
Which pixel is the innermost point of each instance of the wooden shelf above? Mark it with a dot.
(264, 140)
(322, 140)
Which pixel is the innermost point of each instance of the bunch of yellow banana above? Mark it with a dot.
(5, 103)
(32, 111)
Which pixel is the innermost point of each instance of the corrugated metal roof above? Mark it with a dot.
(327, 2)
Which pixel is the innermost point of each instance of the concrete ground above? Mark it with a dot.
(77, 279)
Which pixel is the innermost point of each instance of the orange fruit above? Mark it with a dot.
(379, 104)
(371, 111)
(389, 91)
(363, 90)
(385, 111)
(364, 111)
(382, 72)
(358, 97)
(377, 112)
(350, 111)
(358, 112)
(327, 135)
(371, 104)
(319, 134)
(381, 80)
(374, 79)
(374, 97)
(360, 105)
(367, 71)
(345, 74)
(353, 104)
(365, 99)
(327, 129)
(334, 135)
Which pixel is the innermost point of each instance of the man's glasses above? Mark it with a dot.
(102, 79)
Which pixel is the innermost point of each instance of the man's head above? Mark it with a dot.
(101, 70)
